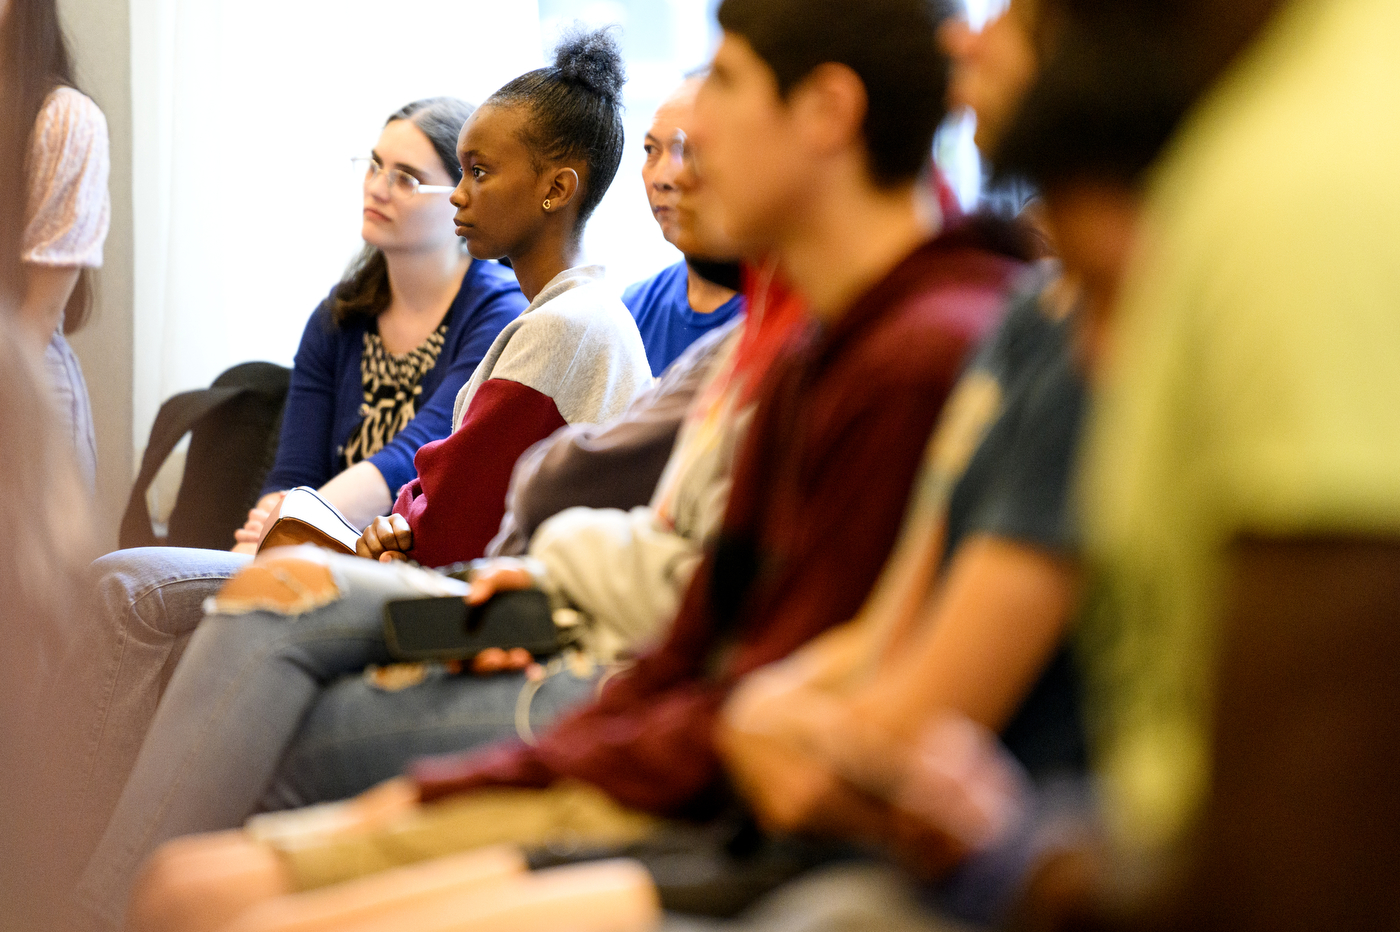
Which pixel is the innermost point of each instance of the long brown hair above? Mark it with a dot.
(364, 290)
(34, 60)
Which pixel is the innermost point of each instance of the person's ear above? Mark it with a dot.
(829, 107)
(563, 187)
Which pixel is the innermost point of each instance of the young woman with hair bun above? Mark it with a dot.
(536, 159)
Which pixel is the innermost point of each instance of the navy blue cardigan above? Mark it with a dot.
(323, 403)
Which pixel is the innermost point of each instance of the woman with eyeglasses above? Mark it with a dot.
(385, 354)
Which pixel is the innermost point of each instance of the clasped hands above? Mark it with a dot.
(812, 760)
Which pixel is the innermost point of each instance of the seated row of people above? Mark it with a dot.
(382, 360)
(858, 561)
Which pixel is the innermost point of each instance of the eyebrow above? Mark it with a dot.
(678, 136)
(401, 166)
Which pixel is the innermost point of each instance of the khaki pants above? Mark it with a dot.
(318, 854)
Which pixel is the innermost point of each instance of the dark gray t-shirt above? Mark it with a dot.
(1016, 485)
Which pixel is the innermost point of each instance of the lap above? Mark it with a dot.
(315, 600)
(566, 813)
(365, 728)
(314, 585)
(162, 588)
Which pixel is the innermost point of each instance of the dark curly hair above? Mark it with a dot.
(577, 107)
(364, 291)
(891, 45)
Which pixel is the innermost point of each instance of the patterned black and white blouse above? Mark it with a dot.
(392, 385)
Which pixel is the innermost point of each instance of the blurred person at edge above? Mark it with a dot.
(1242, 508)
(700, 293)
(55, 139)
(42, 487)
(42, 490)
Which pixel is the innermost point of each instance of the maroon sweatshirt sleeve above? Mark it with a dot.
(455, 504)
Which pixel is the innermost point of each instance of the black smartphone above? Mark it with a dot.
(448, 628)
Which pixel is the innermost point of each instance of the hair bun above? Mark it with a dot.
(593, 60)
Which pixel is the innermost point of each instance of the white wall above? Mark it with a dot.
(246, 113)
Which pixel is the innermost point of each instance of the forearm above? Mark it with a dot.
(360, 493)
(997, 620)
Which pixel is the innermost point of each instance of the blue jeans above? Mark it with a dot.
(72, 407)
(221, 745)
(104, 691)
(358, 734)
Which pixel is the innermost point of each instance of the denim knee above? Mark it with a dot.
(162, 588)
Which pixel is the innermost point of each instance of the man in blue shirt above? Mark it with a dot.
(694, 296)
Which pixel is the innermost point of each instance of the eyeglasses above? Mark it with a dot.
(400, 182)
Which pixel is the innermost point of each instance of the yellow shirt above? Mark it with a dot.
(1253, 382)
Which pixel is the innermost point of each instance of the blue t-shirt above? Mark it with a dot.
(323, 402)
(664, 317)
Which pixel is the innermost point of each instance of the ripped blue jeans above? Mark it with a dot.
(268, 709)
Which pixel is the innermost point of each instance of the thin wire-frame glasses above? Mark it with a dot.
(400, 182)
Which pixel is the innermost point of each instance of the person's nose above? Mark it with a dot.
(458, 197)
(665, 177)
(672, 163)
(377, 187)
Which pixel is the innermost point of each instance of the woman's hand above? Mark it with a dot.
(250, 534)
(500, 660)
(388, 538)
(504, 574)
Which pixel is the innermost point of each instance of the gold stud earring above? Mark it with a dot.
(546, 203)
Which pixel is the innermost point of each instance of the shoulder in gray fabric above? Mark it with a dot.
(575, 343)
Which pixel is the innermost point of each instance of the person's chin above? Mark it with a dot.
(673, 233)
(684, 240)
(373, 233)
(480, 249)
